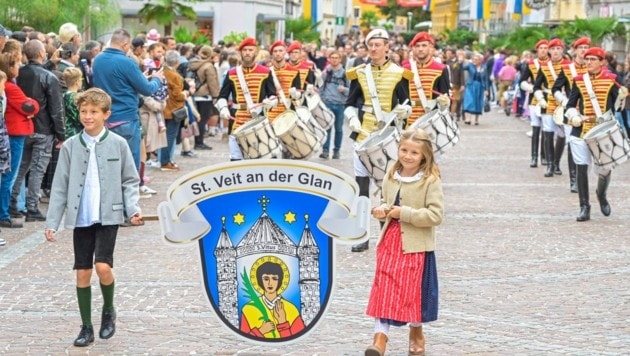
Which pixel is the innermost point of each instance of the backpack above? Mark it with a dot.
(192, 74)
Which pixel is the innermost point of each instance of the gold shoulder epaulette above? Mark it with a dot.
(352, 72)
(407, 74)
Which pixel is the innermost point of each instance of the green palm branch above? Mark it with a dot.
(253, 298)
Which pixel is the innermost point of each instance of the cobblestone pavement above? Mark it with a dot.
(518, 274)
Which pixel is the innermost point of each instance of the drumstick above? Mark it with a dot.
(150, 218)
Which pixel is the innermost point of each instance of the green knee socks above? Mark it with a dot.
(84, 297)
(108, 297)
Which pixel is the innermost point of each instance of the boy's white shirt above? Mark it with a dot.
(90, 206)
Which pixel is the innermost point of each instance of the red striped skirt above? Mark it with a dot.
(397, 289)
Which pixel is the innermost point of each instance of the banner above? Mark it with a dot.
(375, 2)
(537, 4)
(412, 3)
(266, 232)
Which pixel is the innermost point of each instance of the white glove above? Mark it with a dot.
(294, 93)
(577, 120)
(623, 92)
(270, 103)
(310, 89)
(541, 99)
(528, 87)
(443, 101)
(354, 124)
(224, 113)
(574, 117)
(402, 111)
(621, 99)
(319, 81)
(561, 98)
(222, 106)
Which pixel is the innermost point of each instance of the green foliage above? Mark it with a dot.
(183, 35)
(302, 29)
(524, 38)
(498, 42)
(235, 37)
(459, 37)
(165, 13)
(48, 15)
(598, 29)
(368, 19)
(392, 10)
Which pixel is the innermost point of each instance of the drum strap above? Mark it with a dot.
(537, 64)
(553, 71)
(276, 82)
(418, 82)
(573, 70)
(376, 104)
(591, 95)
(243, 83)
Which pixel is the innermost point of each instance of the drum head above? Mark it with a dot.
(599, 130)
(284, 122)
(248, 125)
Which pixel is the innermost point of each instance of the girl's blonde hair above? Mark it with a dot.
(72, 76)
(428, 167)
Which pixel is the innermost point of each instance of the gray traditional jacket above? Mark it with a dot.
(118, 181)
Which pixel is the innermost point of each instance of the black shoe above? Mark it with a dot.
(202, 146)
(336, 155)
(16, 214)
(34, 215)
(361, 247)
(324, 155)
(10, 223)
(86, 336)
(189, 154)
(108, 325)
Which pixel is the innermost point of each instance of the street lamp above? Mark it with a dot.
(409, 14)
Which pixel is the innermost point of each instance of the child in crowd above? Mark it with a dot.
(5, 147)
(94, 207)
(73, 78)
(405, 288)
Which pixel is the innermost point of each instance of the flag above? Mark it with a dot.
(480, 9)
(412, 3)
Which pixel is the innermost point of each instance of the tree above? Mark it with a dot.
(302, 30)
(460, 37)
(183, 35)
(92, 16)
(598, 29)
(368, 19)
(166, 12)
(393, 10)
(525, 38)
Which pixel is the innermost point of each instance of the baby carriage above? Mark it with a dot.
(510, 100)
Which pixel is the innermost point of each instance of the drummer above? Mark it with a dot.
(562, 88)
(248, 102)
(545, 80)
(306, 68)
(286, 79)
(583, 112)
(376, 88)
(431, 75)
(528, 76)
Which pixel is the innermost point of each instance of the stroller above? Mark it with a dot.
(510, 100)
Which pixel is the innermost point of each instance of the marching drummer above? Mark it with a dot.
(545, 80)
(306, 68)
(430, 78)
(251, 87)
(592, 94)
(286, 79)
(376, 88)
(562, 88)
(528, 76)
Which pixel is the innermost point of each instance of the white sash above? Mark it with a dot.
(573, 70)
(276, 82)
(591, 94)
(246, 93)
(418, 83)
(537, 64)
(553, 71)
(376, 104)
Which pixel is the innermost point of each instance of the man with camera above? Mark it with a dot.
(334, 93)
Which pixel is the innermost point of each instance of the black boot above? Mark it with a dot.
(548, 140)
(364, 190)
(557, 154)
(535, 141)
(543, 154)
(602, 187)
(582, 183)
(86, 336)
(572, 173)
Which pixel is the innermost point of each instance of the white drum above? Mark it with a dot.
(257, 139)
(378, 152)
(608, 146)
(441, 127)
(295, 135)
(305, 115)
(324, 116)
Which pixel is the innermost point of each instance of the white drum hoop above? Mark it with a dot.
(442, 129)
(608, 145)
(295, 135)
(256, 139)
(305, 114)
(324, 116)
(378, 152)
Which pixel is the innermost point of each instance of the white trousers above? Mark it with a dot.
(582, 155)
(533, 116)
(548, 125)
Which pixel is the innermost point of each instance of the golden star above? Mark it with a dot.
(289, 217)
(239, 218)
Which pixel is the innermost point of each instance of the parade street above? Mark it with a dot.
(518, 275)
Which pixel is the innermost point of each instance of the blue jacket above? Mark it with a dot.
(121, 78)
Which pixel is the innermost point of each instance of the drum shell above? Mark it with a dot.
(256, 139)
(306, 116)
(442, 129)
(378, 152)
(295, 135)
(608, 145)
(324, 116)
